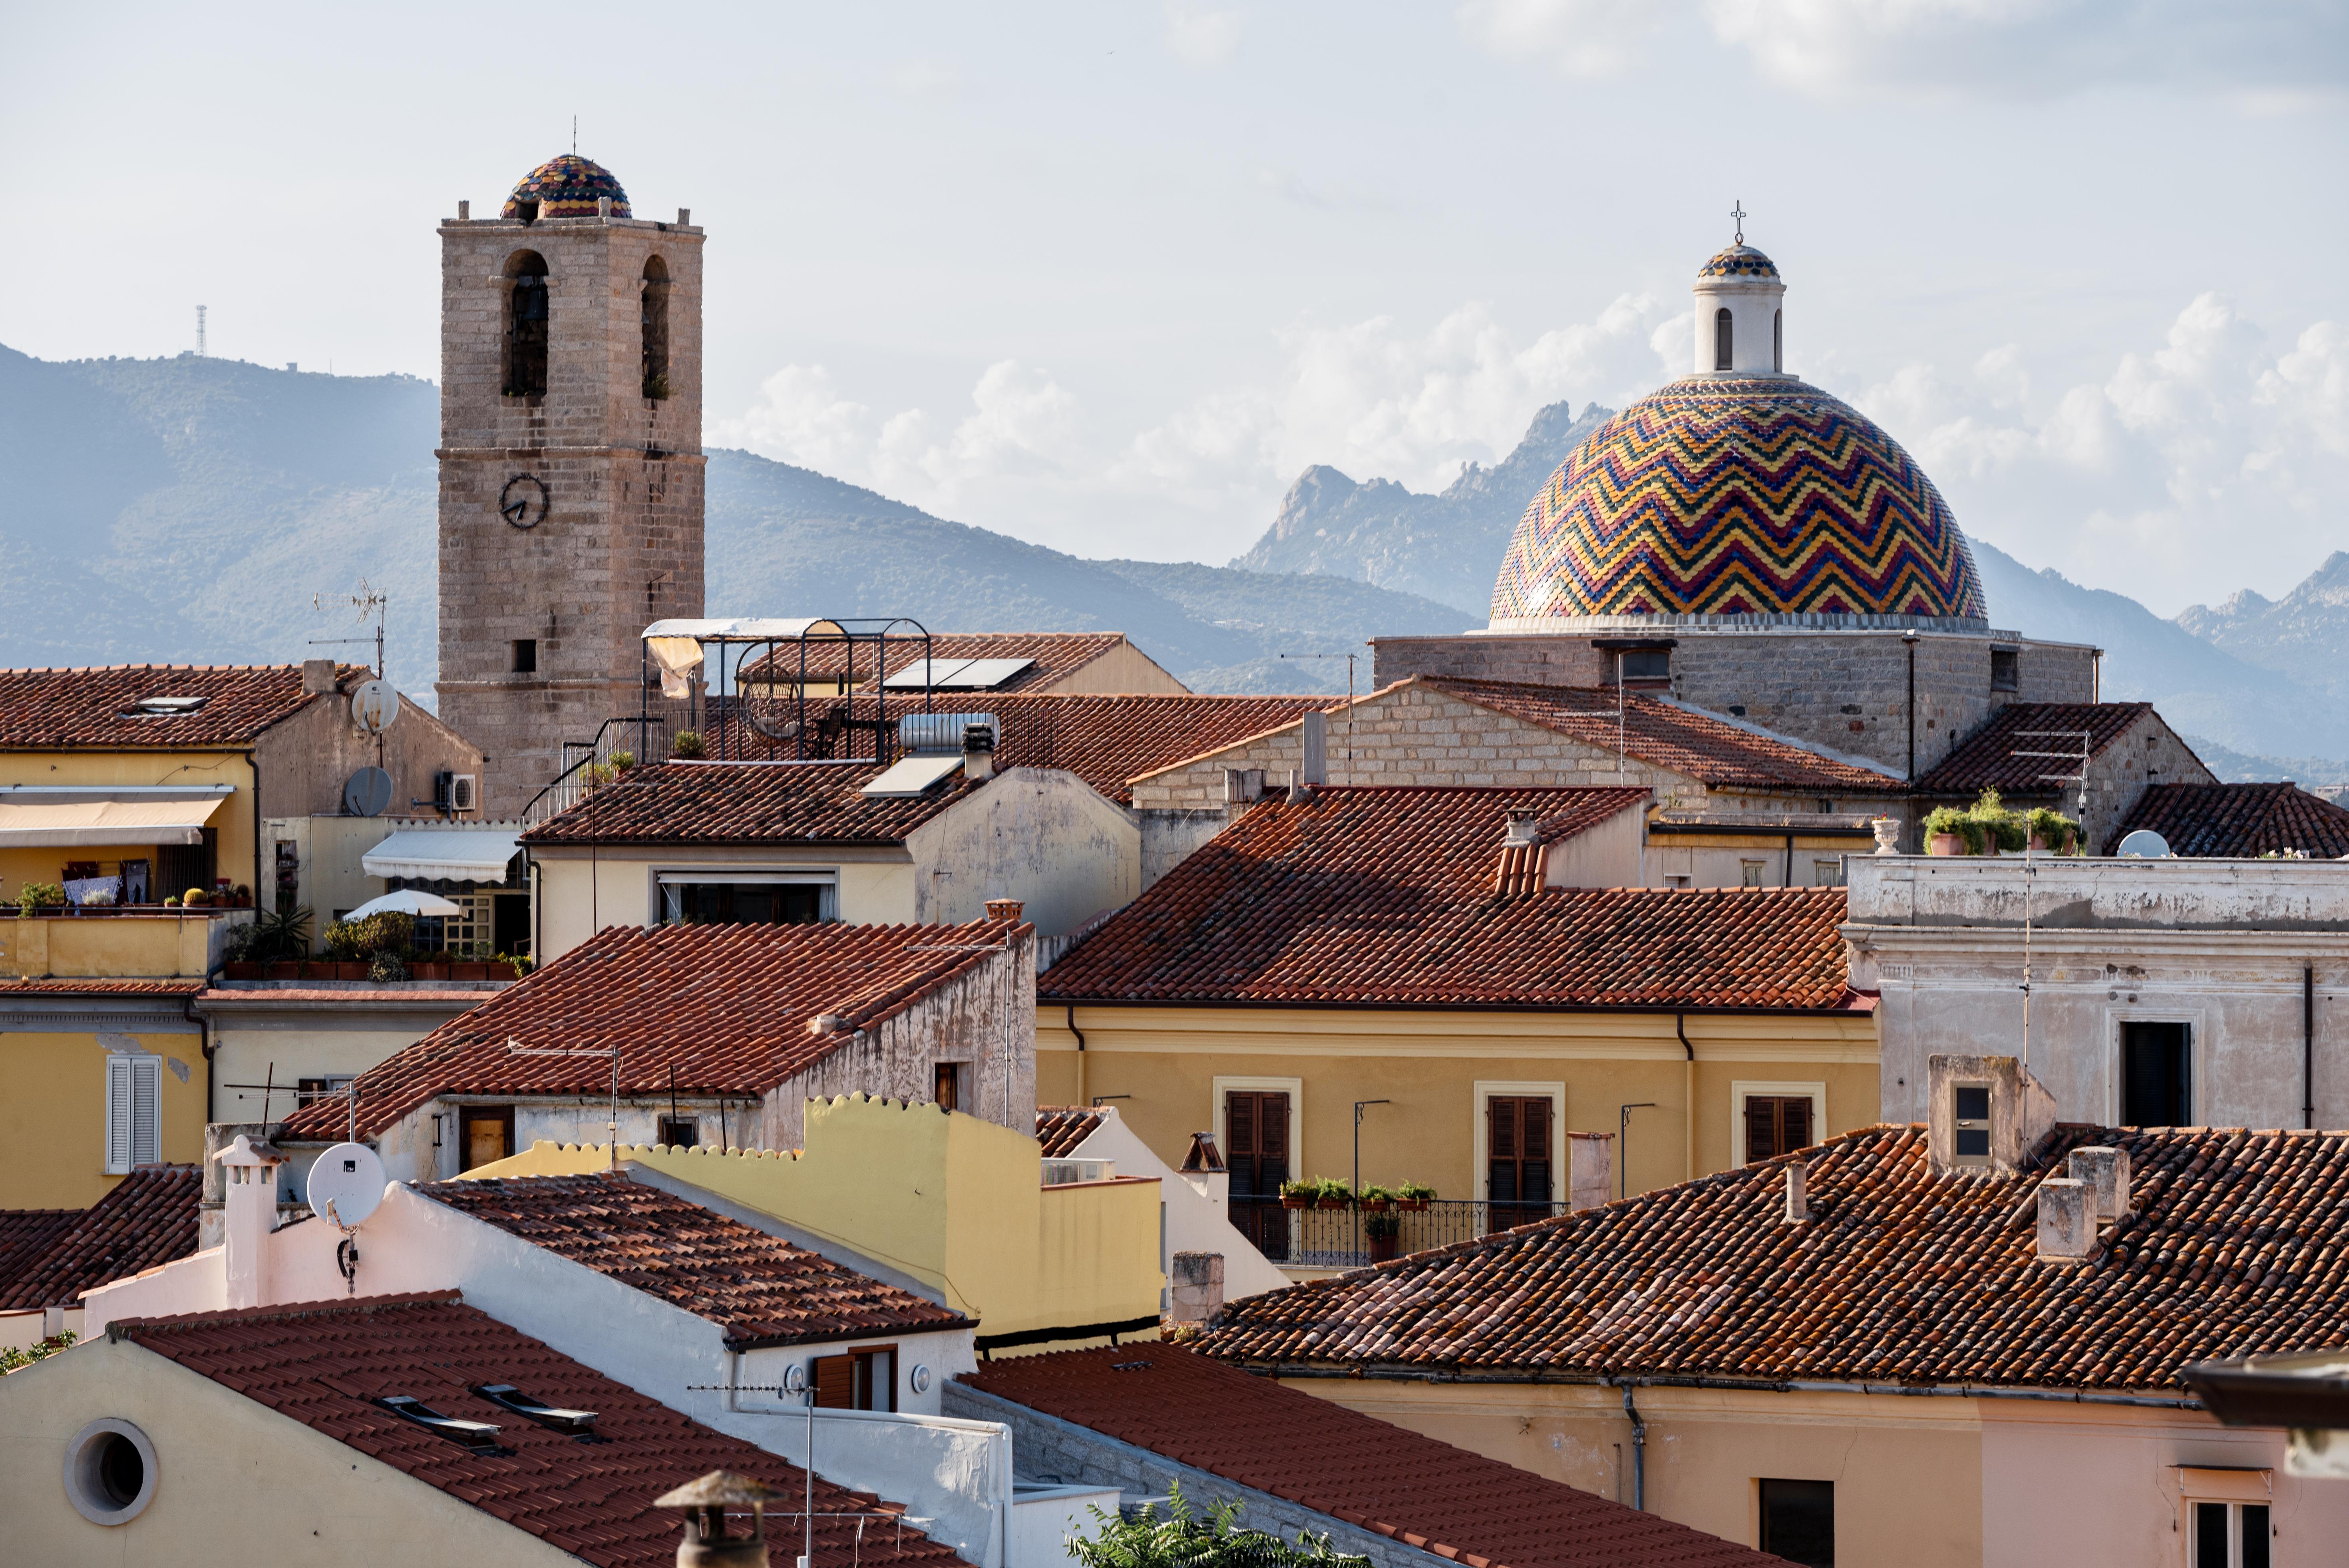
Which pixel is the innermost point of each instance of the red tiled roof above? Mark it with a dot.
(1345, 1464)
(1987, 758)
(759, 1289)
(100, 987)
(1384, 897)
(1056, 654)
(1105, 740)
(2239, 821)
(1060, 1127)
(725, 1007)
(323, 1365)
(148, 1218)
(1713, 751)
(2231, 1247)
(60, 709)
(26, 1237)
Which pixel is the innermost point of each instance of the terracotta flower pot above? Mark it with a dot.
(471, 970)
(242, 971)
(353, 969)
(1385, 1249)
(312, 970)
(428, 970)
(1414, 1204)
(285, 969)
(1297, 1203)
(1333, 1203)
(1945, 844)
(1374, 1205)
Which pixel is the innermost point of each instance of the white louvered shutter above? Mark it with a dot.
(134, 1112)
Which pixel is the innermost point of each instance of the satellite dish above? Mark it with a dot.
(367, 792)
(346, 1185)
(2145, 844)
(374, 706)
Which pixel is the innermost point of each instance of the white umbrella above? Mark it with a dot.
(407, 901)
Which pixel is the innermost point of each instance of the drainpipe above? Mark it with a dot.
(1788, 880)
(205, 1039)
(1680, 1027)
(1638, 1452)
(2308, 1046)
(1081, 1054)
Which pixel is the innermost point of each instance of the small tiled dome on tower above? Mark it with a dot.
(567, 186)
(1738, 492)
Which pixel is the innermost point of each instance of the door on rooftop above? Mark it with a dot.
(1517, 1163)
(1256, 1123)
(488, 1135)
(2157, 1077)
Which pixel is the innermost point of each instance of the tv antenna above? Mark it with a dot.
(200, 332)
(366, 602)
(514, 1047)
(2030, 869)
(1350, 659)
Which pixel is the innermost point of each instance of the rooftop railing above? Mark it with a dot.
(1318, 1238)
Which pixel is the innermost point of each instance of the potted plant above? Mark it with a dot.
(430, 966)
(1376, 1200)
(1414, 1195)
(1299, 1195)
(2053, 832)
(37, 896)
(1385, 1233)
(1331, 1193)
(622, 761)
(194, 898)
(1951, 830)
(470, 969)
(688, 745)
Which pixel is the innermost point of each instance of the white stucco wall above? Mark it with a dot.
(580, 892)
(1041, 835)
(1194, 1223)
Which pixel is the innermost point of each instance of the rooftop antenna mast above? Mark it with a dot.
(199, 333)
(514, 1047)
(2030, 869)
(1350, 659)
(366, 602)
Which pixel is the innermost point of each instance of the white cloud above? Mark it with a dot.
(2211, 447)
(801, 419)
(926, 78)
(1582, 38)
(1199, 36)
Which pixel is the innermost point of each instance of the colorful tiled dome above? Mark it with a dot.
(1739, 262)
(1736, 496)
(567, 186)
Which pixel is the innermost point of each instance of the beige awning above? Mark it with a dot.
(26, 825)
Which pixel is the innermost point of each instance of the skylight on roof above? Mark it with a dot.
(165, 706)
(956, 675)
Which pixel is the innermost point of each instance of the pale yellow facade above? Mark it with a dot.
(1437, 1068)
(236, 1483)
(232, 820)
(949, 1201)
(53, 1111)
(114, 946)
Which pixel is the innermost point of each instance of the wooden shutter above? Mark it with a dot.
(1794, 1123)
(1502, 1145)
(1273, 1132)
(835, 1382)
(1533, 1150)
(1761, 1127)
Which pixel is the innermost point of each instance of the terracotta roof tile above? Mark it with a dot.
(1987, 758)
(1699, 745)
(148, 1218)
(2230, 1247)
(1056, 654)
(325, 1364)
(1385, 897)
(95, 706)
(1060, 1127)
(1340, 1462)
(100, 987)
(2239, 821)
(759, 1289)
(26, 1237)
(727, 1007)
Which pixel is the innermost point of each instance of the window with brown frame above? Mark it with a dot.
(1776, 1124)
(1256, 1126)
(860, 1380)
(489, 1134)
(1517, 1158)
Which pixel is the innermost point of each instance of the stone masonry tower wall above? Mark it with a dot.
(542, 605)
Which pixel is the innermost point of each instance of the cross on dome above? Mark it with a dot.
(1738, 212)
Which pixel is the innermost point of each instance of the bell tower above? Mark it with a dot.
(571, 464)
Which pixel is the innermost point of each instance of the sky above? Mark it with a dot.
(1108, 278)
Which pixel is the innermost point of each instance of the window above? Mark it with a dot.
(860, 1380)
(134, 1112)
(489, 1133)
(1722, 343)
(2230, 1535)
(746, 898)
(1752, 871)
(525, 655)
(1798, 1520)
(111, 1471)
(2005, 669)
(510, 922)
(1776, 1124)
(1778, 341)
(1648, 665)
(1255, 1150)
(333, 1087)
(1826, 873)
(945, 1085)
(526, 317)
(1969, 1123)
(178, 867)
(680, 1131)
(652, 308)
(1517, 1175)
(2155, 1080)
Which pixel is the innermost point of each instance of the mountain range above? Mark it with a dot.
(194, 510)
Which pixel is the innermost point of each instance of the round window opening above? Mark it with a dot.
(111, 1471)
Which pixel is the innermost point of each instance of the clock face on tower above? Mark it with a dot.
(523, 500)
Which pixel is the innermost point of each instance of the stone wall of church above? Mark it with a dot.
(1846, 691)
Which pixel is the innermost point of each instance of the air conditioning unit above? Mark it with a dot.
(459, 792)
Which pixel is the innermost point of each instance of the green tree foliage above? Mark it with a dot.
(1183, 1538)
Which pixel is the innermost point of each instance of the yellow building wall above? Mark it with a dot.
(1428, 1065)
(232, 820)
(53, 1115)
(949, 1200)
(236, 1483)
(579, 895)
(1907, 1472)
(110, 945)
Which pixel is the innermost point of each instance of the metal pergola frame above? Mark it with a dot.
(742, 639)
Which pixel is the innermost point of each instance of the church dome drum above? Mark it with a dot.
(565, 187)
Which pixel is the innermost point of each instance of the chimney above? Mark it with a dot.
(2067, 1220)
(1798, 1195)
(1203, 1169)
(464, 211)
(1588, 1173)
(705, 1502)
(1243, 785)
(685, 217)
(1299, 791)
(250, 1213)
(1983, 1115)
(2107, 1171)
(1523, 828)
(1004, 908)
(1198, 1281)
(1316, 749)
(317, 677)
(977, 752)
